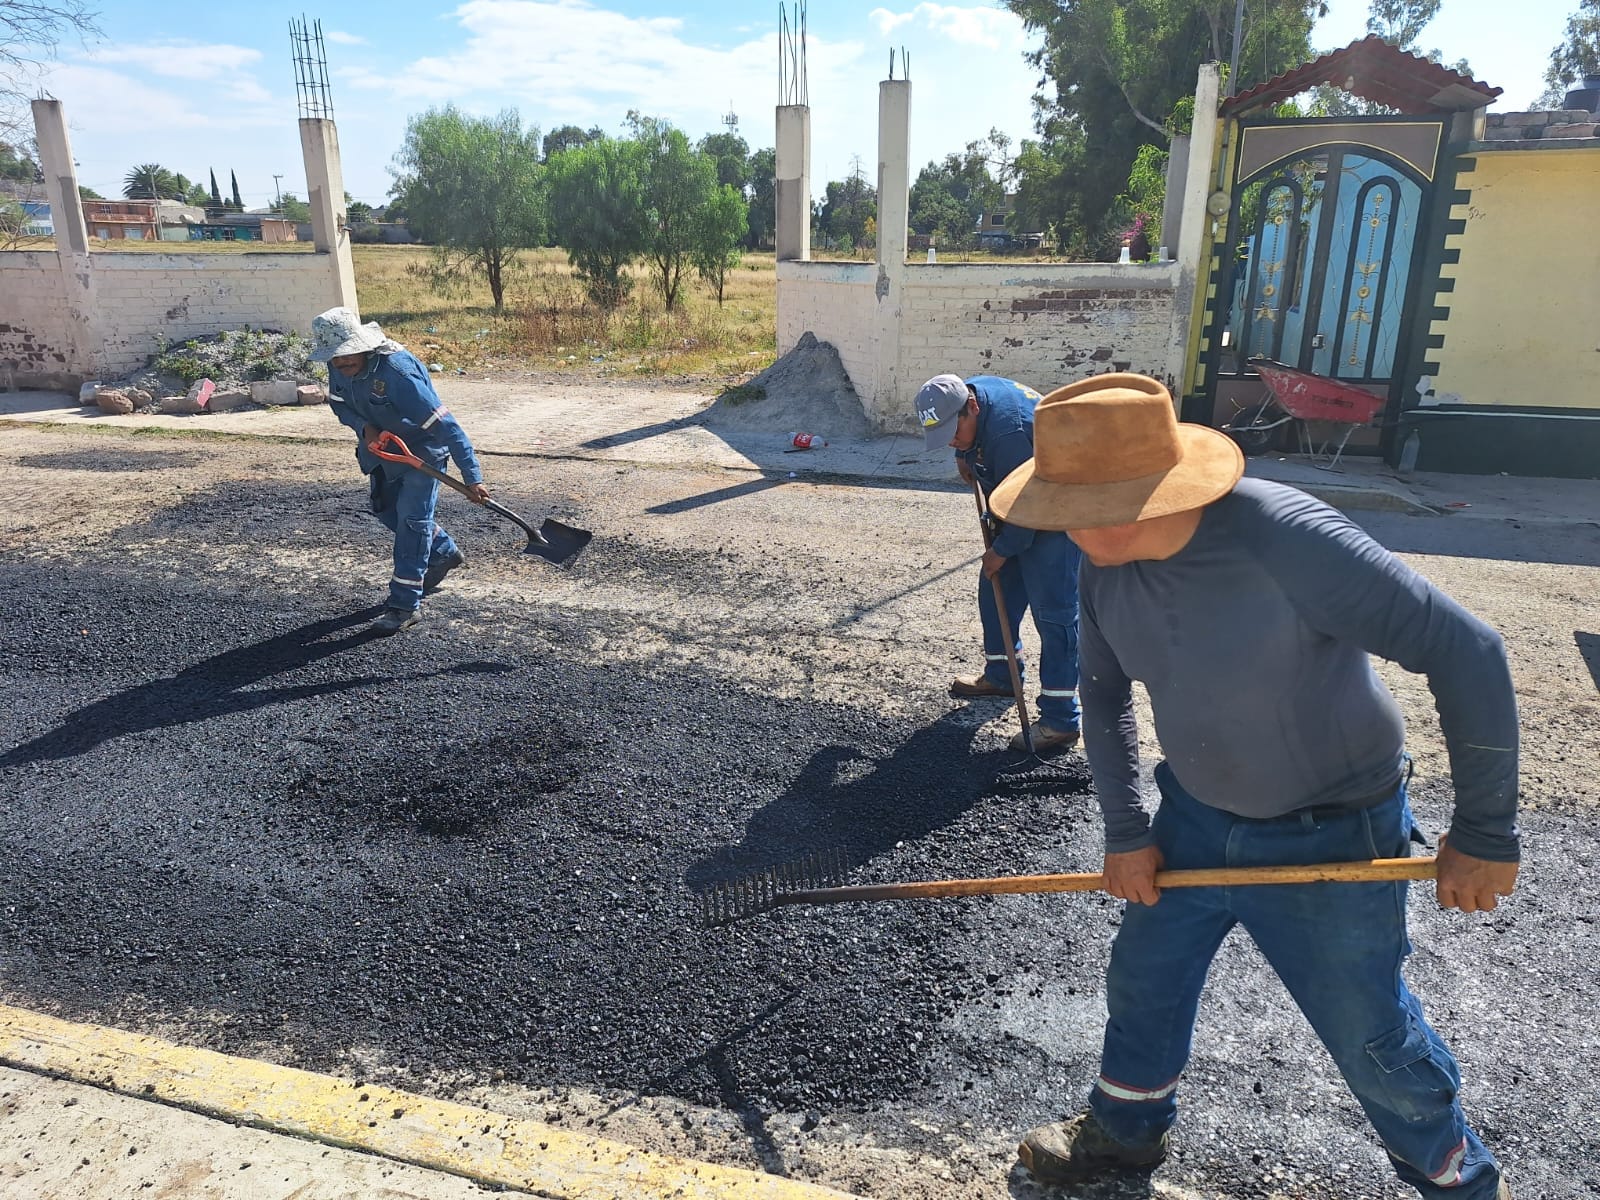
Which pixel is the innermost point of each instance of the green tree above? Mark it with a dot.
(597, 213)
(197, 195)
(1120, 67)
(1048, 195)
(1578, 54)
(473, 187)
(849, 210)
(238, 201)
(948, 198)
(763, 193)
(16, 164)
(358, 211)
(151, 181)
(678, 182)
(216, 192)
(731, 153)
(565, 137)
(291, 208)
(719, 227)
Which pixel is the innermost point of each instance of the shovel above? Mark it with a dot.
(552, 540)
(1005, 624)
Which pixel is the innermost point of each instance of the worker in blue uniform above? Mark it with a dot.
(376, 385)
(988, 422)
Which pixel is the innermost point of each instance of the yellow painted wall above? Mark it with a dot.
(1524, 323)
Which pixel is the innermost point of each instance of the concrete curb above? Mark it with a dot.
(475, 1143)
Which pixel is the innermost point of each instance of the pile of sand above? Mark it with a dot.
(805, 391)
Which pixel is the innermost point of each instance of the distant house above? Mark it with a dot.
(36, 219)
(173, 218)
(996, 229)
(122, 220)
(221, 225)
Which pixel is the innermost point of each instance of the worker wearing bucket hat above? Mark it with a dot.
(376, 385)
(1248, 610)
(988, 422)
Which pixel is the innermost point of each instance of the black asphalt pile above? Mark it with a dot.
(471, 852)
(477, 858)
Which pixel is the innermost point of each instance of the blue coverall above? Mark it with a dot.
(1041, 568)
(394, 393)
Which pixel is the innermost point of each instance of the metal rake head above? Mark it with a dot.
(784, 883)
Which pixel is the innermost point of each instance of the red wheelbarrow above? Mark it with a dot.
(1295, 395)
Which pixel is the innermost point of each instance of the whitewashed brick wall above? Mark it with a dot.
(136, 303)
(35, 320)
(836, 302)
(148, 300)
(1043, 324)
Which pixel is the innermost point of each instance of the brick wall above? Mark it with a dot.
(148, 300)
(836, 302)
(136, 303)
(1044, 325)
(35, 320)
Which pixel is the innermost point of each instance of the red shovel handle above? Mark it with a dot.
(390, 447)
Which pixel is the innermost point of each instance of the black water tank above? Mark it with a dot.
(1587, 97)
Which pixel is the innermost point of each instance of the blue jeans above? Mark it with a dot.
(1044, 577)
(1337, 947)
(404, 502)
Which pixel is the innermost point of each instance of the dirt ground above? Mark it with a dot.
(462, 860)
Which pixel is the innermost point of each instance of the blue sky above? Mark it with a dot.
(212, 87)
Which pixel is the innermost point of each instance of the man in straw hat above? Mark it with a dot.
(988, 422)
(1248, 611)
(376, 385)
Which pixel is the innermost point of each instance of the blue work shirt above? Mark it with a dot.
(394, 393)
(1003, 443)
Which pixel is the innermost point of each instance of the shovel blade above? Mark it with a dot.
(558, 543)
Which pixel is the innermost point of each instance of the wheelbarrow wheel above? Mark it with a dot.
(1254, 435)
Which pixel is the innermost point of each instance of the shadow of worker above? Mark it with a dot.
(847, 799)
(215, 686)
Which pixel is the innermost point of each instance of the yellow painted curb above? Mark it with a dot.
(472, 1142)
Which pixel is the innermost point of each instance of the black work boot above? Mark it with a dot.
(1079, 1148)
(393, 620)
(439, 568)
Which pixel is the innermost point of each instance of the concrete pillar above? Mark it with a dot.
(319, 144)
(1177, 179)
(60, 176)
(887, 408)
(1193, 248)
(792, 223)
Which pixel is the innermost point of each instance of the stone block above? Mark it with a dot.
(1586, 129)
(182, 406)
(273, 392)
(311, 393)
(227, 400)
(1510, 133)
(113, 401)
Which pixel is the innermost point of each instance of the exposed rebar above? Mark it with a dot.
(310, 53)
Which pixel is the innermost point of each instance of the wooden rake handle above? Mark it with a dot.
(1377, 870)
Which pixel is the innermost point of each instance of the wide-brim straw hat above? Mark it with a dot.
(1110, 451)
(339, 331)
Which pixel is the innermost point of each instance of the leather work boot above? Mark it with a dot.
(1046, 738)
(393, 620)
(438, 569)
(1078, 1148)
(971, 689)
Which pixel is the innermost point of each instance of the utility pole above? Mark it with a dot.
(275, 179)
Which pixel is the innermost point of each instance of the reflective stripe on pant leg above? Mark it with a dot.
(413, 538)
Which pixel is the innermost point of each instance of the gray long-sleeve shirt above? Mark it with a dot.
(1253, 643)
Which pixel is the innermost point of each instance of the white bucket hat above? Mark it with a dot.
(339, 331)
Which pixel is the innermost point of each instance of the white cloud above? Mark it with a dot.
(563, 61)
(344, 39)
(967, 25)
(112, 102)
(179, 59)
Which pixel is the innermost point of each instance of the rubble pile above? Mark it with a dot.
(218, 373)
